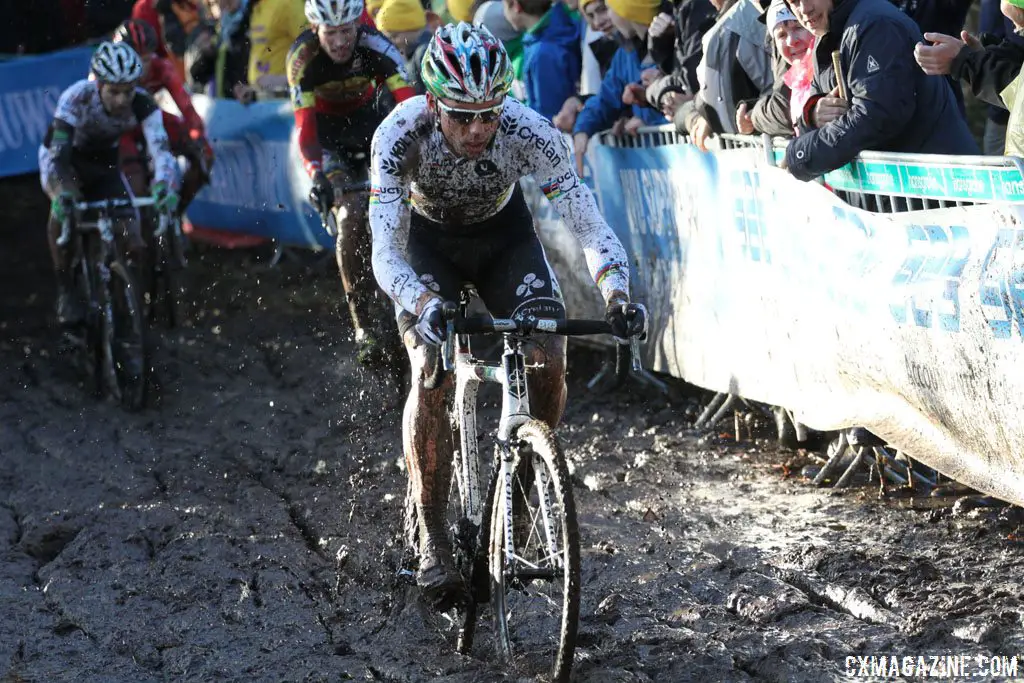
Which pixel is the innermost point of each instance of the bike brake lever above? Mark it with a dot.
(634, 353)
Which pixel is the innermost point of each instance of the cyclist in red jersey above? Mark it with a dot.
(186, 133)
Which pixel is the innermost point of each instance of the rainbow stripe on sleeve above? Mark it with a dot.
(552, 190)
(607, 269)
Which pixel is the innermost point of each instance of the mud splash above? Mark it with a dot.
(246, 526)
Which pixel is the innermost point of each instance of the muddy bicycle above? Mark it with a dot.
(113, 348)
(516, 542)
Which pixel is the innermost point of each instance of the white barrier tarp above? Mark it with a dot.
(759, 285)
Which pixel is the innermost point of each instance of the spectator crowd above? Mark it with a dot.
(838, 76)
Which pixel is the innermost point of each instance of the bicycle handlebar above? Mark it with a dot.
(627, 356)
(566, 327)
(109, 205)
(136, 202)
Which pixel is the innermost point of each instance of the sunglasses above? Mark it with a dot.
(464, 117)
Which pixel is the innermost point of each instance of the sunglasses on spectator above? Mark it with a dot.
(464, 117)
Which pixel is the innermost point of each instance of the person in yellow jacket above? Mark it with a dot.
(274, 26)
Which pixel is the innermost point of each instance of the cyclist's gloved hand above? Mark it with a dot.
(167, 199)
(322, 194)
(431, 325)
(62, 206)
(627, 320)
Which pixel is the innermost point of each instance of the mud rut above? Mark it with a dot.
(245, 527)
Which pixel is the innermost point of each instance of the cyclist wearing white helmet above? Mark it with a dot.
(446, 208)
(335, 72)
(79, 155)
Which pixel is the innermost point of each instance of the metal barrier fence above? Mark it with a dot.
(879, 182)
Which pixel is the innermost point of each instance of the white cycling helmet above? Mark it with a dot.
(333, 12)
(116, 63)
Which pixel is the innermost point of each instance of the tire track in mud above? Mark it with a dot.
(246, 527)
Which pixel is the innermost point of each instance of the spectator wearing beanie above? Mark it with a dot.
(631, 19)
(551, 52)
(461, 10)
(404, 22)
(793, 66)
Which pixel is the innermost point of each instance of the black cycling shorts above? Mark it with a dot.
(502, 258)
(345, 140)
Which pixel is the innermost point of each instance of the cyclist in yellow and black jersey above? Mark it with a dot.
(336, 72)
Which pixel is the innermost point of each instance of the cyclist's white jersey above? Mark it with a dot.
(97, 132)
(411, 166)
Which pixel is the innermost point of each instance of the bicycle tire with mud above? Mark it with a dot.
(536, 438)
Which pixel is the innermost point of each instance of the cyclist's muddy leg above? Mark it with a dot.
(427, 441)
(352, 249)
(547, 384)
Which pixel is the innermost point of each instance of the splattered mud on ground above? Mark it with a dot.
(245, 527)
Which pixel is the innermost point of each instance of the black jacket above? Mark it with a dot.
(894, 105)
(678, 54)
(987, 72)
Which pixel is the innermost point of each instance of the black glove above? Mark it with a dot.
(627, 320)
(322, 194)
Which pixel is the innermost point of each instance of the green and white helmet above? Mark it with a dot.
(466, 63)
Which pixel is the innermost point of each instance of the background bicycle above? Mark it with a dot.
(113, 344)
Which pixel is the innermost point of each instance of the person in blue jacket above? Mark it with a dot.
(893, 106)
(631, 19)
(551, 52)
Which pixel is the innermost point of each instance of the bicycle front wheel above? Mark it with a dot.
(534, 556)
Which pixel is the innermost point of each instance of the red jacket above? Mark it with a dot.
(162, 75)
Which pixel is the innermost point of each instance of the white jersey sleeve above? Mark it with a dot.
(165, 168)
(389, 206)
(552, 166)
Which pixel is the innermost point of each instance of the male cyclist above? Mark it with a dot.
(185, 132)
(335, 72)
(446, 208)
(79, 156)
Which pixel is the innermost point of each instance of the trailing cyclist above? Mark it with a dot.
(79, 156)
(446, 208)
(185, 133)
(336, 70)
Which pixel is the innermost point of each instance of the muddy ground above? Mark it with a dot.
(244, 528)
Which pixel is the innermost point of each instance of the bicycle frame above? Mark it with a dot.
(470, 373)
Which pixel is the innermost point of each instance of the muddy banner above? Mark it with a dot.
(769, 288)
(29, 90)
(258, 186)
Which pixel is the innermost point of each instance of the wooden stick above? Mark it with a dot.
(837, 67)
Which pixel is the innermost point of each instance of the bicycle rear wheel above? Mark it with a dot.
(126, 335)
(534, 557)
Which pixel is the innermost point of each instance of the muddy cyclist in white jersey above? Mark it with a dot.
(446, 209)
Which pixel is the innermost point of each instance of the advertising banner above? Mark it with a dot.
(29, 89)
